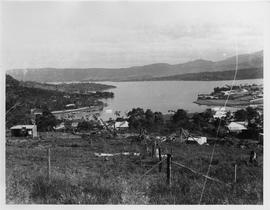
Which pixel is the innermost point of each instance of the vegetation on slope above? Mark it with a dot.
(214, 76)
(69, 87)
(23, 99)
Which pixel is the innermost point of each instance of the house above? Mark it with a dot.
(70, 106)
(74, 124)
(206, 96)
(24, 131)
(91, 91)
(60, 127)
(72, 114)
(199, 140)
(219, 112)
(227, 92)
(36, 112)
(237, 127)
(121, 125)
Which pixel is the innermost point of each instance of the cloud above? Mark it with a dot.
(119, 34)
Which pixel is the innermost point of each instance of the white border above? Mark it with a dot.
(266, 200)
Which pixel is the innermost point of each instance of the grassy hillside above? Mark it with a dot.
(79, 177)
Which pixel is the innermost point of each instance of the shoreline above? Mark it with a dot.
(230, 103)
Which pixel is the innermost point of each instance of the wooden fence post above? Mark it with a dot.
(169, 169)
(152, 150)
(154, 146)
(145, 150)
(49, 164)
(160, 158)
(235, 173)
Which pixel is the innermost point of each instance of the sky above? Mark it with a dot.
(124, 34)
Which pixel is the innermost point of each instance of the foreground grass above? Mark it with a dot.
(78, 177)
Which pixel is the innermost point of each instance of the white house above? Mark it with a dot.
(70, 106)
(200, 140)
(24, 131)
(121, 125)
(219, 112)
(60, 127)
(237, 127)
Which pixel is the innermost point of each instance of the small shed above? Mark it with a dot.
(24, 131)
(200, 140)
(71, 106)
(74, 124)
(60, 127)
(236, 127)
(121, 125)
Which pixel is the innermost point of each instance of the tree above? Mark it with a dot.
(251, 113)
(207, 115)
(88, 125)
(46, 122)
(158, 118)
(149, 119)
(180, 119)
(240, 115)
(117, 113)
(68, 125)
(198, 120)
(136, 118)
(180, 115)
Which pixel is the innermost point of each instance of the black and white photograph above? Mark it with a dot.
(134, 102)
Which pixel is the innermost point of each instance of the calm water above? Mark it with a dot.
(161, 95)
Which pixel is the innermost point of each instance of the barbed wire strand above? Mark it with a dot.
(225, 104)
(152, 168)
(199, 173)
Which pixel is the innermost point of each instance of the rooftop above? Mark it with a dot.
(23, 126)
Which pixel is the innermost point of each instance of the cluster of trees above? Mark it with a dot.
(157, 122)
(164, 124)
(46, 121)
(219, 89)
(140, 119)
(254, 120)
(88, 125)
(197, 122)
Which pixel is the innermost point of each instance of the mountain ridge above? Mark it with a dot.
(145, 72)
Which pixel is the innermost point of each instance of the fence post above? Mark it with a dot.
(169, 169)
(154, 146)
(145, 150)
(152, 150)
(49, 164)
(160, 158)
(235, 173)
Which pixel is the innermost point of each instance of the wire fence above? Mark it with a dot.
(169, 166)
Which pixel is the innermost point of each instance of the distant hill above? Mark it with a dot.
(254, 73)
(69, 88)
(249, 62)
